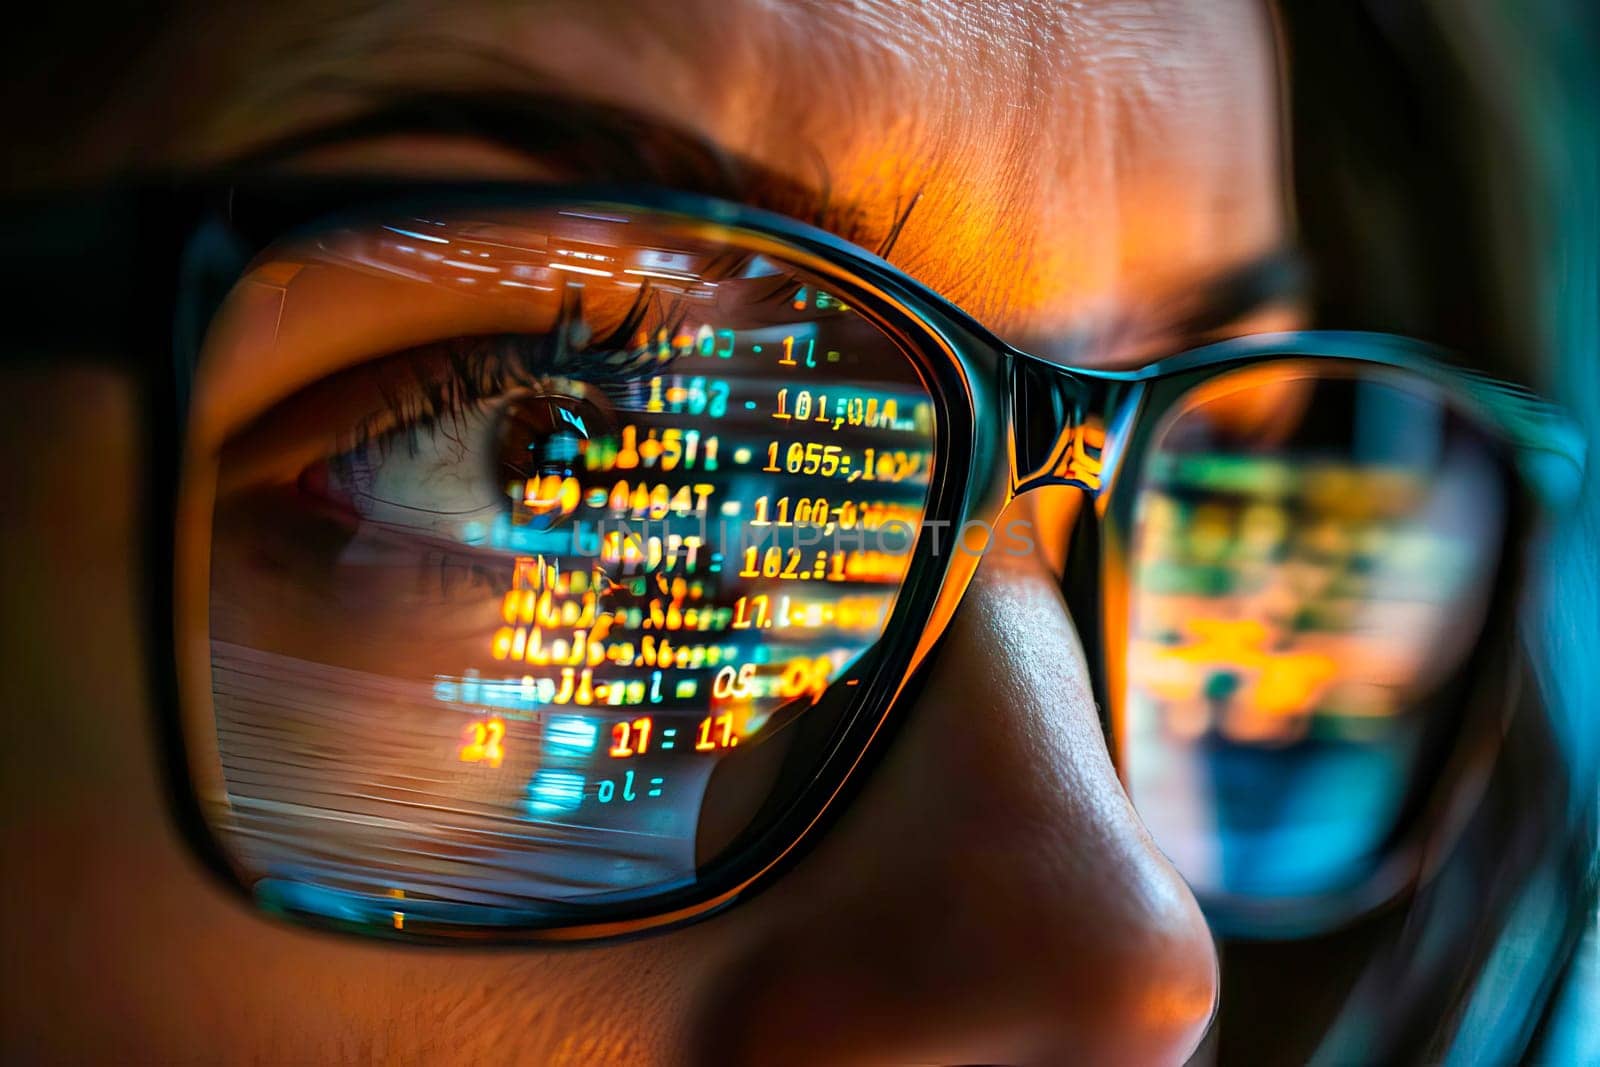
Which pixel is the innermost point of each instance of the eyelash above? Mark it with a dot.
(430, 387)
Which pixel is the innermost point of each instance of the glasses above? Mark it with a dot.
(553, 563)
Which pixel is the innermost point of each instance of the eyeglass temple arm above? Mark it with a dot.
(1551, 449)
(1059, 434)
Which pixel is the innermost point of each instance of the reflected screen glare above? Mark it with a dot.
(565, 592)
(1313, 554)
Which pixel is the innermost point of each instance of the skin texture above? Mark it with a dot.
(990, 896)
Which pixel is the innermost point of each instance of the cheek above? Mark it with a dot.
(68, 537)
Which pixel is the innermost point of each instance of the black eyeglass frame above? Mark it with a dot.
(181, 245)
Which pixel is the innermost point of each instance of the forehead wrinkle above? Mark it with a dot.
(994, 232)
(1204, 155)
(1160, 155)
(1059, 149)
(947, 106)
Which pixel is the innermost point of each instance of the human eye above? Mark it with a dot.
(470, 428)
(563, 582)
(415, 470)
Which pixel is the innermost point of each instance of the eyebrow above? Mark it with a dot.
(1273, 278)
(589, 141)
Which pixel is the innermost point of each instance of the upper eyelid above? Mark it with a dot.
(410, 391)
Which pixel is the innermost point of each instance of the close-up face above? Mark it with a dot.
(1088, 181)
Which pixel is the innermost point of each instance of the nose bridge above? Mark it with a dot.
(1058, 426)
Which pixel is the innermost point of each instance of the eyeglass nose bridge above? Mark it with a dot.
(1058, 427)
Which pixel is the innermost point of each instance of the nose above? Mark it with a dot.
(990, 896)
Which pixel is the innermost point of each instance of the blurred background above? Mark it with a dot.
(1447, 182)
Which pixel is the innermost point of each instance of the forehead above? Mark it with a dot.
(1060, 156)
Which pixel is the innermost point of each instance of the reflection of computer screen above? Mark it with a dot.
(1304, 582)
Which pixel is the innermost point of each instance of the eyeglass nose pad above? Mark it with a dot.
(1058, 432)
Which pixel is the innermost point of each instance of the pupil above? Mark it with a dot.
(541, 441)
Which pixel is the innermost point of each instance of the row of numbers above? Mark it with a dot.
(832, 461)
(666, 450)
(631, 737)
(859, 410)
(818, 511)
